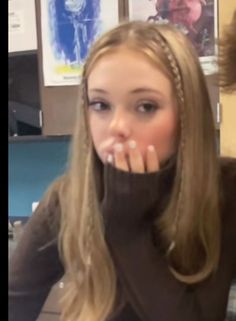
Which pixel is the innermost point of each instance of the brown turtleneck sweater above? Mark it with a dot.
(152, 292)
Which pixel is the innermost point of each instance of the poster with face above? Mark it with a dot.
(69, 27)
(197, 19)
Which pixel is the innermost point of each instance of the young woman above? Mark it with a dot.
(144, 218)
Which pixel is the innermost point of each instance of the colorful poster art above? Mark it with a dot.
(69, 27)
(197, 19)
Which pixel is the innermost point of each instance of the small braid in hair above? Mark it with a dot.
(180, 94)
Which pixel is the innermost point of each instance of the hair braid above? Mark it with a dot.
(174, 67)
(180, 94)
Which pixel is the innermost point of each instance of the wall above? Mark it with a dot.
(32, 167)
(228, 125)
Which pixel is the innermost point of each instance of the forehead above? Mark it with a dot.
(130, 68)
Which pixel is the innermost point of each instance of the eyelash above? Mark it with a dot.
(94, 103)
(153, 106)
(104, 106)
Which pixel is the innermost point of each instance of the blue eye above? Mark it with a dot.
(98, 105)
(147, 107)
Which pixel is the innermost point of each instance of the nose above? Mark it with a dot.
(120, 125)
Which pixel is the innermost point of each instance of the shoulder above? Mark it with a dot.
(46, 218)
(228, 205)
(228, 192)
(228, 181)
(228, 169)
(35, 264)
(228, 177)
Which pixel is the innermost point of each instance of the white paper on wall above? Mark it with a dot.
(22, 34)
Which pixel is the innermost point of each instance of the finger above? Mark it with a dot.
(119, 158)
(152, 162)
(135, 158)
(110, 159)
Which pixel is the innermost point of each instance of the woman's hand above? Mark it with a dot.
(132, 160)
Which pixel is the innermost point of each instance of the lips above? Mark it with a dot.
(109, 151)
(108, 147)
(112, 149)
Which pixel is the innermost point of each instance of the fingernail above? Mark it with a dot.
(119, 147)
(110, 158)
(132, 144)
(151, 148)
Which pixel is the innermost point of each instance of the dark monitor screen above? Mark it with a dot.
(23, 94)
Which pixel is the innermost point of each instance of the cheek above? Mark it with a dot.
(97, 131)
(162, 135)
(94, 130)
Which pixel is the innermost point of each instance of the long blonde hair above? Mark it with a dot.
(191, 220)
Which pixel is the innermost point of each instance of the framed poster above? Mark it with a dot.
(69, 27)
(197, 19)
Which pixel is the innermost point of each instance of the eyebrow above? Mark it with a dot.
(98, 90)
(134, 91)
(146, 89)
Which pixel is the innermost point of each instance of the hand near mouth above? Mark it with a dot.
(132, 159)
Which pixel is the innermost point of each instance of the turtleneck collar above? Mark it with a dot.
(143, 196)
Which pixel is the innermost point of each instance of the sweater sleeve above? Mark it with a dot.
(35, 265)
(151, 289)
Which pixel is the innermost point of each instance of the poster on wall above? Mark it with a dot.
(197, 19)
(69, 27)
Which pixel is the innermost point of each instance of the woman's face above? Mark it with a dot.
(130, 99)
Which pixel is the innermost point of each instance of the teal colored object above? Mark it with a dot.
(32, 167)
